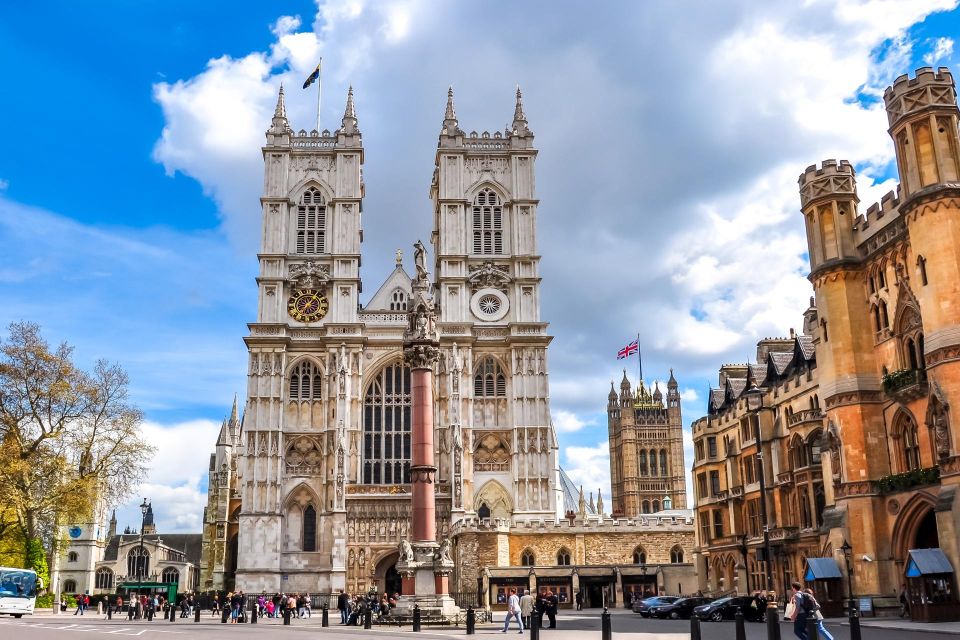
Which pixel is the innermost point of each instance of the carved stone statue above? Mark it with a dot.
(419, 261)
(938, 420)
(456, 436)
(406, 552)
(443, 553)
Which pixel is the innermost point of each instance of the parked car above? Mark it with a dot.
(682, 608)
(753, 609)
(643, 606)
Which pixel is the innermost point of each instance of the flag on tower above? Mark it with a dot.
(629, 350)
(312, 77)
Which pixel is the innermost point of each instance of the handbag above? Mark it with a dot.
(791, 611)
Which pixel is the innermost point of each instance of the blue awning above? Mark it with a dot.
(927, 562)
(821, 569)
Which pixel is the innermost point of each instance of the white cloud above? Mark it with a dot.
(689, 395)
(589, 467)
(942, 49)
(568, 422)
(176, 482)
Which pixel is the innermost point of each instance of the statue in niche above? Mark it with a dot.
(938, 421)
(443, 552)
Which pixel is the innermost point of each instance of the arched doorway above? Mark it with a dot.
(386, 576)
(926, 536)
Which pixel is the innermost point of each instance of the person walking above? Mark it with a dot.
(799, 611)
(817, 615)
(343, 604)
(513, 611)
(904, 601)
(579, 599)
(526, 608)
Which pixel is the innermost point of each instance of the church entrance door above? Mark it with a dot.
(387, 578)
(392, 580)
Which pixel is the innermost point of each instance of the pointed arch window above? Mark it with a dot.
(73, 556)
(306, 382)
(663, 462)
(643, 463)
(527, 558)
(138, 562)
(676, 555)
(639, 556)
(69, 586)
(309, 528)
(489, 381)
(908, 443)
(170, 574)
(487, 223)
(311, 222)
(104, 578)
(653, 462)
(922, 266)
(387, 421)
(656, 506)
(645, 507)
(563, 557)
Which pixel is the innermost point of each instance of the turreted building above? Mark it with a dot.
(646, 449)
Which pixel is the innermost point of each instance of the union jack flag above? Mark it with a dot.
(629, 350)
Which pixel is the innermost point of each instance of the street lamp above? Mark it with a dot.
(141, 565)
(851, 609)
(754, 398)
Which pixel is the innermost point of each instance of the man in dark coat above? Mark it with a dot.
(343, 604)
(552, 603)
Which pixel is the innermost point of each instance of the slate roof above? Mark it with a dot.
(189, 543)
(781, 360)
(806, 345)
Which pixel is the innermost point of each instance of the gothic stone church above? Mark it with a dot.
(310, 491)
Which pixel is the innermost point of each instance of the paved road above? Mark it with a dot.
(582, 626)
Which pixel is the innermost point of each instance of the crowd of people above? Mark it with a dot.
(523, 608)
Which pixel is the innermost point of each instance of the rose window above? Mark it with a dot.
(489, 304)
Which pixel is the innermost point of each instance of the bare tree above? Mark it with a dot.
(68, 438)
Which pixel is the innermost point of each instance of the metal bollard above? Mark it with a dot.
(196, 612)
(109, 612)
(150, 614)
(854, 623)
(738, 619)
(812, 632)
(536, 620)
(368, 618)
(694, 628)
(286, 616)
(173, 613)
(605, 632)
(471, 621)
(254, 611)
(225, 614)
(325, 618)
(416, 618)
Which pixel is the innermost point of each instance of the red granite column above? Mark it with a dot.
(423, 471)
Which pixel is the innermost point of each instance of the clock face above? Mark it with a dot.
(307, 305)
(75, 532)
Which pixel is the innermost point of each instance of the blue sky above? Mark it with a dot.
(670, 144)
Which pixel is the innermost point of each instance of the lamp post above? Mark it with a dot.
(754, 397)
(851, 608)
(141, 569)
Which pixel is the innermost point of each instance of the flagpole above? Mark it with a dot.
(319, 84)
(639, 362)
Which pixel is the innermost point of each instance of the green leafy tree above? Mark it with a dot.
(37, 560)
(67, 437)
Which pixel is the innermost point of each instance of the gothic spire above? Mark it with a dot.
(599, 503)
(581, 503)
(234, 414)
(281, 110)
(518, 110)
(349, 122)
(451, 113)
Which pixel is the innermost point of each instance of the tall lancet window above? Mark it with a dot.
(386, 427)
(311, 222)
(489, 393)
(487, 223)
(306, 382)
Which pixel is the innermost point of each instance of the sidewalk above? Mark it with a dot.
(952, 628)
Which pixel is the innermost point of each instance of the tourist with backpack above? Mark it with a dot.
(817, 615)
(798, 610)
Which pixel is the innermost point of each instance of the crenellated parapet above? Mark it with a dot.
(829, 181)
(928, 89)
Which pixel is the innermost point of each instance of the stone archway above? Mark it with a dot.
(385, 574)
(916, 525)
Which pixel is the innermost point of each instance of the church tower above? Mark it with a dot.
(488, 292)
(300, 419)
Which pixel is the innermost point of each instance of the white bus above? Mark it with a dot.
(18, 591)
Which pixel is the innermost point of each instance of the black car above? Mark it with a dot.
(643, 606)
(753, 609)
(682, 608)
